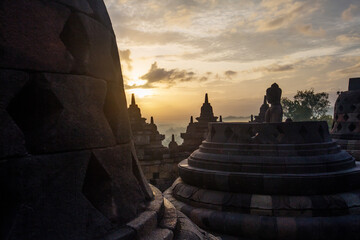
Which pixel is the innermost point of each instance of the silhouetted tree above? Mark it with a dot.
(306, 106)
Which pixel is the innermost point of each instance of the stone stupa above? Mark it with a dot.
(68, 168)
(196, 131)
(273, 180)
(346, 127)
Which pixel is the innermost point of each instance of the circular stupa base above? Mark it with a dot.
(253, 216)
(270, 181)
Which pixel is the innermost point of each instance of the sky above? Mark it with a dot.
(173, 52)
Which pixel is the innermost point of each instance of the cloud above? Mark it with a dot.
(125, 57)
(274, 68)
(168, 77)
(348, 14)
(348, 38)
(279, 17)
(230, 73)
(354, 69)
(308, 30)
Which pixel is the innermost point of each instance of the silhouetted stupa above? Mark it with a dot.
(146, 137)
(196, 131)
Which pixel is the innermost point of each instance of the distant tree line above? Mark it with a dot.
(308, 106)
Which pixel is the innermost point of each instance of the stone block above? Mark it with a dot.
(169, 219)
(100, 13)
(116, 112)
(12, 140)
(93, 48)
(37, 48)
(47, 111)
(159, 233)
(144, 224)
(123, 191)
(45, 186)
(78, 5)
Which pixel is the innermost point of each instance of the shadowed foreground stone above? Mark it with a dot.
(270, 181)
(68, 167)
(346, 127)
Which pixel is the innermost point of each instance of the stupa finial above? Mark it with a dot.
(173, 138)
(220, 119)
(152, 120)
(132, 99)
(206, 98)
(191, 119)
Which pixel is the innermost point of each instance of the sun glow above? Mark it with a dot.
(141, 92)
(136, 82)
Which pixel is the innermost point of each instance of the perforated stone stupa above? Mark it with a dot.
(346, 127)
(68, 168)
(277, 180)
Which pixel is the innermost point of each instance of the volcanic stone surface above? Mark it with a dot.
(284, 180)
(68, 168)
(346, 127)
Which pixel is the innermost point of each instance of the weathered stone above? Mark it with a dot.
(21, 41)
(79, 5)
(93, 48)
(12, 141)
(100, 13)
(121, 185)
(59, 124)
(169, 220)
(116, 114)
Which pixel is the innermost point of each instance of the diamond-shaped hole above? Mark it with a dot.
(336, 117)
(97, 188)
(339, 127)
(35, 109)
(76, 40)
(346, 117)
(352, 127)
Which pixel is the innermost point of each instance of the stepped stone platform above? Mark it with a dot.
(68, 166)
(285, 180)
(346, 127)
